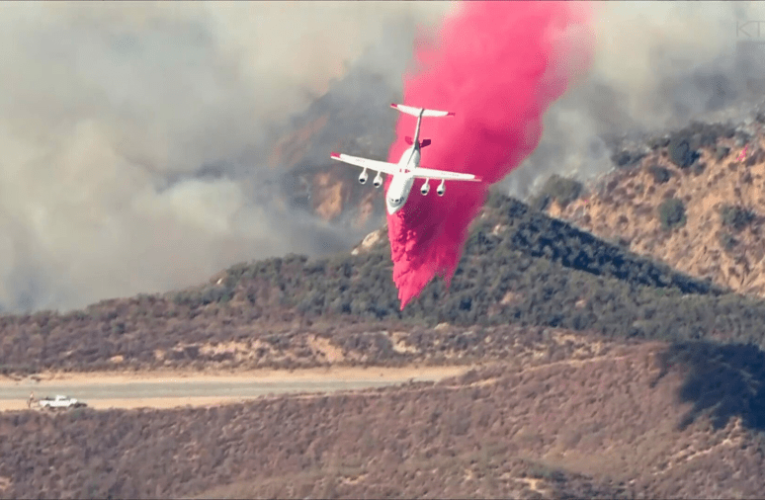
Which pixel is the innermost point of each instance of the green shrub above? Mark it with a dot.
(672, 213)
(680, 151)
(736, 217)
(626, 158)
(721, 152)
(660, 174)
(698, 168)
(727, 241)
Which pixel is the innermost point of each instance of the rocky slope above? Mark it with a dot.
(717, 175)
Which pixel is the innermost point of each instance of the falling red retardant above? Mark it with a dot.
(497, 66)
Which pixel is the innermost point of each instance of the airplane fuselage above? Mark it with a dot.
(403, 180)
(403, 173)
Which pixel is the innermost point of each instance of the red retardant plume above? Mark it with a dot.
(497, 66)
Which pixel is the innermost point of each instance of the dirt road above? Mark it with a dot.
(166, 390)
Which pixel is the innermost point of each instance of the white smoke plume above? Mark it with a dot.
(128, 134)
(657, 65)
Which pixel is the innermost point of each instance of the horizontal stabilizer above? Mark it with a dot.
(410, 110)
(423, 143)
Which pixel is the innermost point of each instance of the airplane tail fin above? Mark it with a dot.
(410, 110)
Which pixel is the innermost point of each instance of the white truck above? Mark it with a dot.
(60, 402)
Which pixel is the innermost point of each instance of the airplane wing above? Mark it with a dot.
(428, 173)
(379, 166)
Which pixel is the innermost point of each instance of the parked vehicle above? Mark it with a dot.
(60, 401)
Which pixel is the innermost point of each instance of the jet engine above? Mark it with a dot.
(363, 177)
(441, 188)
(377, 180)
(425, 187)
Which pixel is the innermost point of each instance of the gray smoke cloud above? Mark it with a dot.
(131, 136)
(657, 66)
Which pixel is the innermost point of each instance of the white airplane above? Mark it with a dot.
(408, 167)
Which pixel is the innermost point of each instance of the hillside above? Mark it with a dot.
(587, 387)
(716, 172)
(520, 267)
(566, 422)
